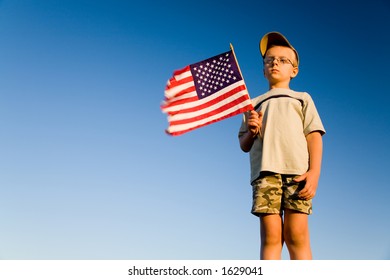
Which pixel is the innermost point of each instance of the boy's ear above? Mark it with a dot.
(294, 73)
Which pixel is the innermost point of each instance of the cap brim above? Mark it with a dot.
(276, 39)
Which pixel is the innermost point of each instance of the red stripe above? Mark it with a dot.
(179, 102)
(184, 91)
(181, 71)
(177, 96)
(211, 102)
(225, 107)
(174, 83)
(241, 110)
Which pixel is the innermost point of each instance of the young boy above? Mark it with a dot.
(284, 138)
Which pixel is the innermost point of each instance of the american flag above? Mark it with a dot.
(205, 92)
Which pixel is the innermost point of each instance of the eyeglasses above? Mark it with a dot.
(282, 60)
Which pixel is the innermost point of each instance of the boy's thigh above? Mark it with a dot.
(267, 194)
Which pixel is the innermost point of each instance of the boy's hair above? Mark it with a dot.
(275, 39)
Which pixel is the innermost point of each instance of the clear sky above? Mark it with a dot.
(87, 171)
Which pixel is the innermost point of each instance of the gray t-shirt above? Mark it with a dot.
(281, 147)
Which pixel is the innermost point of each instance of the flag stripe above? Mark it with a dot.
(212, 101)
(179, 90)
(174, 83)
(186, 92)
(179, 104)
(184, 73)
(181, 71)
(178, 83)
(183, 128)
(204, 114)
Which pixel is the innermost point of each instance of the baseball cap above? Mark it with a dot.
(277, 39)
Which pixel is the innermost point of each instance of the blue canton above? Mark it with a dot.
(214, 74)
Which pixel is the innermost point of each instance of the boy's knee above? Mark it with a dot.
(272, 241)
(296, 237)
(272, 238)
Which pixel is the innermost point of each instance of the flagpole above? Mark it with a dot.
(239, 69)
(234, 54)
(238, 65)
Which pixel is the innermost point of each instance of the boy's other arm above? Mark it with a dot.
(254, 125)
(314, 145)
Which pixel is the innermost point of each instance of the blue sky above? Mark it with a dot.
(87, 172)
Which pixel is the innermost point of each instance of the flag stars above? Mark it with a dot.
(215, 74)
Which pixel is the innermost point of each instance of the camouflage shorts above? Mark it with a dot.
(272, 193)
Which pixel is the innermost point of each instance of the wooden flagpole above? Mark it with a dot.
(239, 69)
(238, 65)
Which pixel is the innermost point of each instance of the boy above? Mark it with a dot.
(284, 138)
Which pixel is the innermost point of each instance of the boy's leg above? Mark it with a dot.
(267, 204)
(271, 233)
(296, 235)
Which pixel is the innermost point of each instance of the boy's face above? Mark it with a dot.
(280, 65)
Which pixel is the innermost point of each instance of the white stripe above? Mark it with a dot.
(207, 99)
(169, 93)
(183, 116)
(182, 127)
(183, 75)
(166, 103)
(184, 96)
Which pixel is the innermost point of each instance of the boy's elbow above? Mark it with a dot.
(244, 145)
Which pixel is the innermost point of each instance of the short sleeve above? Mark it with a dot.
(312, 121)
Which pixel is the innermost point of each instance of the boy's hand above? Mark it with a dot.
(254, 122)
(310, 189)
